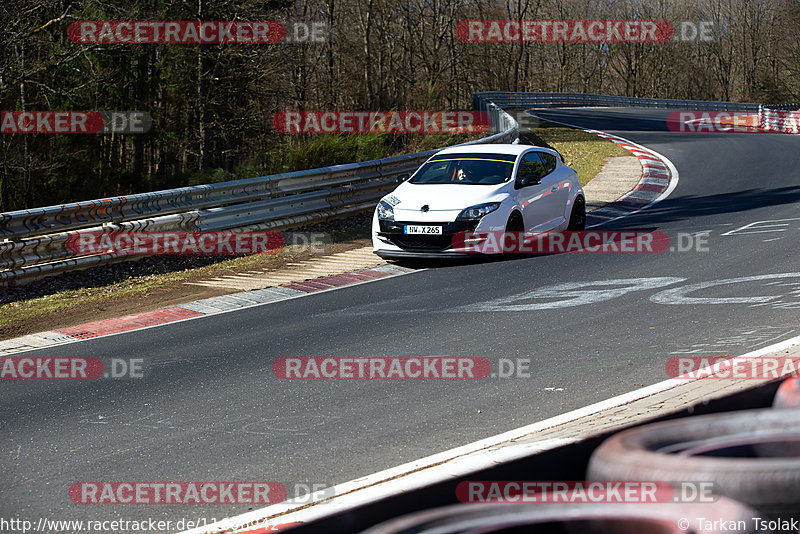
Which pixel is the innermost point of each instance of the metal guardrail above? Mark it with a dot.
(562, 100)
(783, 107)
(36, 240)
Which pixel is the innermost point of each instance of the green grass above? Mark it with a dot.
(291, 154)
(133, 287)
(68, 299)
(302, 152)
(584, 152)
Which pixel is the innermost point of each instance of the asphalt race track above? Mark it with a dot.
(210, 408)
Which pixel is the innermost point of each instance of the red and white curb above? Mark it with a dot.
(659, 179)
(196, 309)
(778, 121)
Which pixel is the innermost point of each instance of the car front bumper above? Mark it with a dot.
(389, 240)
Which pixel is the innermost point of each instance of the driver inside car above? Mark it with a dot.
(461, 174)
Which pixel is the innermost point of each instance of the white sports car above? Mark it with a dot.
(477, 188)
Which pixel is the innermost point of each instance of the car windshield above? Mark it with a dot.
(466, 169)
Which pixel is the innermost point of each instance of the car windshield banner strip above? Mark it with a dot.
(503, 158)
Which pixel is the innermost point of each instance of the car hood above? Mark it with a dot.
(442, 197)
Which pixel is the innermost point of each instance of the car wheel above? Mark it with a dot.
(516, 225)
(577, 219)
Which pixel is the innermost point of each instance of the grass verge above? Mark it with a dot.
(144, 292)
(584, 152)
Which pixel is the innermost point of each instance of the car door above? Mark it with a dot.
(557, 179)
(533, 194)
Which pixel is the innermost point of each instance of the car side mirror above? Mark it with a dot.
(531, 179)
(402, 178)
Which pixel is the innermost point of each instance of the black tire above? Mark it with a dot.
(577, 218)
(731, 445)
(583, 518)
(787, 397)
(514, 224)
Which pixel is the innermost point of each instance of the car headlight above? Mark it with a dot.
(473, 213)
(385, 211)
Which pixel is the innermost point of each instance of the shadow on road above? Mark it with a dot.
(692, 206)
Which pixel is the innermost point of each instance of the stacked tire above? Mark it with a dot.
(750, 459)
(751, 456)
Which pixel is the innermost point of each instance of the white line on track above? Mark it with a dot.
(488, 452)
(458, 461)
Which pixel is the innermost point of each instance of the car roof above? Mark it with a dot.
(514, 150)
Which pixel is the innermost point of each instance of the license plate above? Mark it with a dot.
(427, 230)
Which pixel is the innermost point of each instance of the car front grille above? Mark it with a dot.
(424, 243)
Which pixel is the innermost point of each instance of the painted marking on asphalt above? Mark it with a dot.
(780, 225)
(639, 405)
(569, 294)
(680, 295)
(750, 339)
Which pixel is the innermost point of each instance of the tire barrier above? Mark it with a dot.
(750, 456)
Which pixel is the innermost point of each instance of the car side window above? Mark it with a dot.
(549, 162)
(531, 164)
